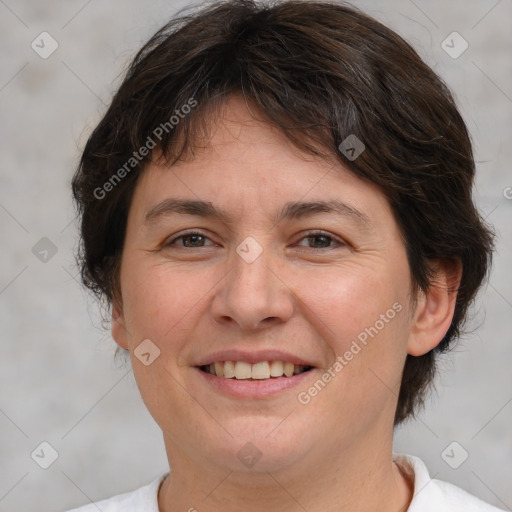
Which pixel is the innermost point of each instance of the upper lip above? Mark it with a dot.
(252, 356)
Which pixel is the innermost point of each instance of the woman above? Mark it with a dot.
(277, 207)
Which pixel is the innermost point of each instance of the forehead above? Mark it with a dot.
(247, 165)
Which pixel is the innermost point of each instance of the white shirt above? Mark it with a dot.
(430, 495)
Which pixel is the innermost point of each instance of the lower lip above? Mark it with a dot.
(252, 389)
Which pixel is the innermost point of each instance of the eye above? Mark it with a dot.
(322, 239)
(196, 239)
(190, 239)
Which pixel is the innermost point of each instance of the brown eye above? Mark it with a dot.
(321, 241)
(189, 240)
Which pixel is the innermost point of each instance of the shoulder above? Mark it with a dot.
(144, 499)
(431, 495)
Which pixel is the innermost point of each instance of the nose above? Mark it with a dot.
(253, 294)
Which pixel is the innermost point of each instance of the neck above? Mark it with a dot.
(358, 478)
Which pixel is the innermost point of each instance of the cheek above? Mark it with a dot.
(349, 301)
(158, 299)
(362, 318)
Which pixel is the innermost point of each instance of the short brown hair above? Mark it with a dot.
(320, 71)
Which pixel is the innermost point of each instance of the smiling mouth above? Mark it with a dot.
(263, 370)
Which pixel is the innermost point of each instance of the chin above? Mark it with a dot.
(262, 445)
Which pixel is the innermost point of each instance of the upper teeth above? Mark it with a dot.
(261, 370)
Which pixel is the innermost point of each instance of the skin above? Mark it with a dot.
(334, 453)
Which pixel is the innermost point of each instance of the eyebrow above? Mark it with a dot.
(290, 211)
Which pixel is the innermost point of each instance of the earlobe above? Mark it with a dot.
(435, 308)
(118, 325)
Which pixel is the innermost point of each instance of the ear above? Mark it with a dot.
(119, 325)
(435, 307)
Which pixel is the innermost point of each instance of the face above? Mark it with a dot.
(250, 283)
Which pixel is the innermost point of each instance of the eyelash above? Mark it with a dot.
(311, 234)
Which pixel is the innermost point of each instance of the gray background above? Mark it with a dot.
(60, 383)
